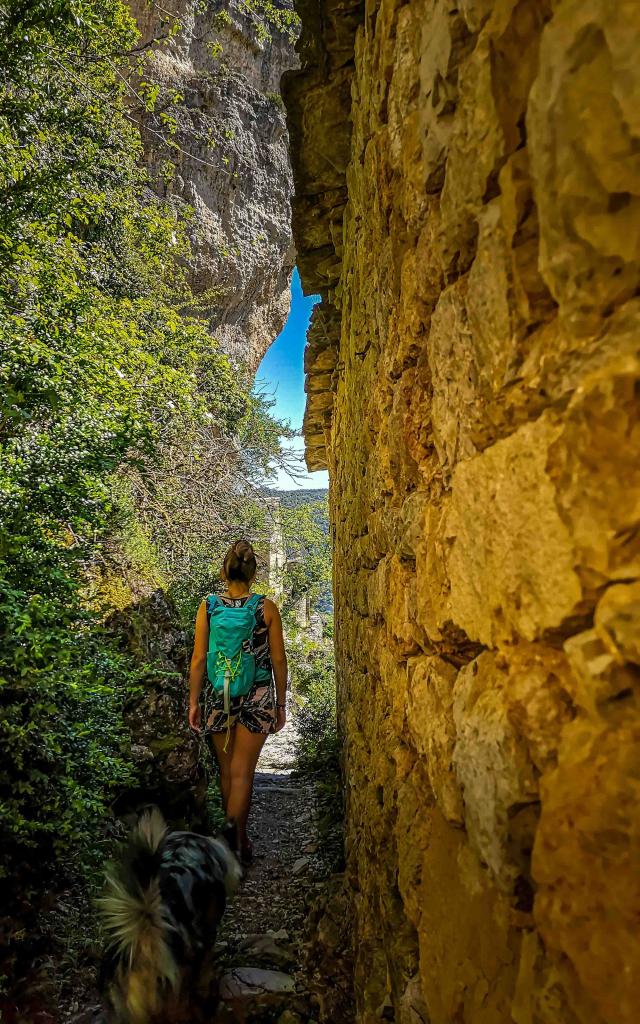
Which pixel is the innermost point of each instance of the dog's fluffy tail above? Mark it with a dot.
(132, 913)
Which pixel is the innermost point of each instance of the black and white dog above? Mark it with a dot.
(163, 900)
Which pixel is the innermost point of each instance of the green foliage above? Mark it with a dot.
(271, 16)
(62, 736)
(111, 402)
(202, 491)
(312, 671)
(276, 99)
(306, 539)
(313, 675)
(78, 377)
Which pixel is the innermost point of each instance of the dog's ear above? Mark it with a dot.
(230, 834)
(133, 816)
(143, 809)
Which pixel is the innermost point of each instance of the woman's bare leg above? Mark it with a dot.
(244, 757)
(223, 757)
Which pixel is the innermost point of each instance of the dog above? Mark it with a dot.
(163, 900)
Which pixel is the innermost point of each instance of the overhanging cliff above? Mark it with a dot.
(232, 166)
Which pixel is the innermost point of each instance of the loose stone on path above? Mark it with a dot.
(259, 947)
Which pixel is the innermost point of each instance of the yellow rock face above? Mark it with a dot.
(473, 382)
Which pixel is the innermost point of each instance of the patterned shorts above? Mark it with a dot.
(256, 710)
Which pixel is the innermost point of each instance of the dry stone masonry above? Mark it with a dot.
(468, 205)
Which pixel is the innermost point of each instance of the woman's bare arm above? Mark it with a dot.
(198, 665)
(276, 649)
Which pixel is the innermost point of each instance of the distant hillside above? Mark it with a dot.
(295, 499)
(299, 496)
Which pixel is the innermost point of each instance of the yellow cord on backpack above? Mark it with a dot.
(227, 708)
(230, 672)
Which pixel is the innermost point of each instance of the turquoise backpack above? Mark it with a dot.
(231, 663)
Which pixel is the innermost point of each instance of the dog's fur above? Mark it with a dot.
(163, 900)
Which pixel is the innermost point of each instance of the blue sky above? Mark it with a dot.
(281, 374)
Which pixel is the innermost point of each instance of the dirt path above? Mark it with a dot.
(260, 944)
(260, 951)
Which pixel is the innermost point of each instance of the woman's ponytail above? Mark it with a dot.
(240, 562)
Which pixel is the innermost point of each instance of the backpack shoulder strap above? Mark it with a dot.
(254, 601)
(212, 602)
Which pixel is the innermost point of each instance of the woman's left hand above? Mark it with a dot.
(281, 719)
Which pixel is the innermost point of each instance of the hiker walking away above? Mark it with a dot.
(239, 643)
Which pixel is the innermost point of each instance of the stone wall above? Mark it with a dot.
(468, 203)
(232, 166)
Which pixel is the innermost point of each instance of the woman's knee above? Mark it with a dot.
(241, 776)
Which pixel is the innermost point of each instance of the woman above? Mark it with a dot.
(239, 733)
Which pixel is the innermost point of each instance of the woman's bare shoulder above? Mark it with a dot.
(270, 610)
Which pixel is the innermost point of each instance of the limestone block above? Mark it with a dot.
(409, 526)
(433, 611)
(404, 140)
(468, 947)
(432, 731)
(378, 589)
(412, 834)
(492, 766)
(409, 430)
(319, 382)
(597, 675)
(530, 298)
(320, 360)
(411, 1006)
(475, 147)
(478, 338)
(365, 552)
(420, 285)
(604, 658)
(401, 610)
(490, 335)
(454, 376)
(476, 12)
(511, 562)
(595, 469)
(378, 533)
(586, 860)
(537, 686)
(617, 620)
(583, 124)
(392, 596)
(554, 365)
(548, 989)
(254, 983)
(393, 675)
(442, 33)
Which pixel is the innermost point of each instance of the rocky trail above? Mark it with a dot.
(261, 943)
(283, 933)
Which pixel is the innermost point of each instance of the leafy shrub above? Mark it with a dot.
(110, 401)
(63, 747)
(276, 99)
(121, 425)
(314, 691)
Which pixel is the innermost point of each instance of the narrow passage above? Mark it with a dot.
(260, 946)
